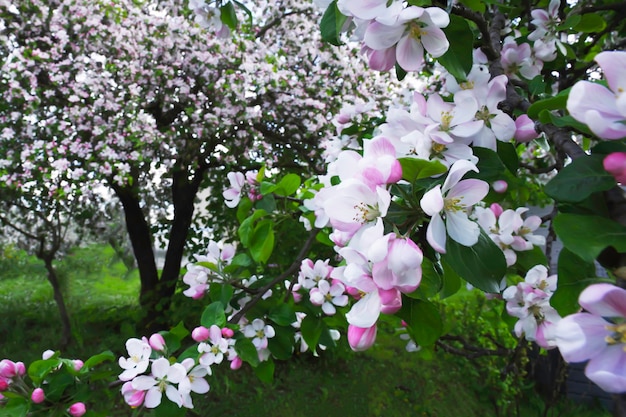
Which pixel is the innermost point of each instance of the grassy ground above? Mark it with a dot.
(384, 381)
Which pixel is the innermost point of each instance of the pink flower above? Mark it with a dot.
(414, 30)
(200, 334)
(37, 396)
(615, 164)
(232, 195)
(598, 335)
(602, 109)
(453, 200)
(525, 129)
(500, 186)
(361, 338)
(77, 409)
(157, 342)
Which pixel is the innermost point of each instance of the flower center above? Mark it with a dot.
(446, 119)
(416, 29)
(260, 334)
(452, 204)
(365, 213)
(618, 334)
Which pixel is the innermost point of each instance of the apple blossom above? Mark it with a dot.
(157, 342)
(162, 379)
(602, 109)
(328, 296)
(453, 199)
(525, 129)
(139, 360)
(598, 335)
(132, 397)
(259, 332)
(414, 30)
(200, 334)
(193, 382)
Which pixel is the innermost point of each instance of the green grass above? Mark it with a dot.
(384, 381)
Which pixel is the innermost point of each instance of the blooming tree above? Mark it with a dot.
(505, 107)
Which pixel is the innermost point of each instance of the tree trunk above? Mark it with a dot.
(66, 335)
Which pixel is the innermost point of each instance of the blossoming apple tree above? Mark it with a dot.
(507, 105)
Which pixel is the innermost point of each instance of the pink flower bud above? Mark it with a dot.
(236, 363)
(525, 129)
(228, 333)
(37, 396)
(78, 364)
(500, 186)
(497, 209)
(157, 342)
(615, 164)
(343, 118)
(360, 338)
(77, 409)
(47, 354)
(4, 384)
(354, 292)
(8, 368)
(20, 368)
(200, 334)
(297, 297)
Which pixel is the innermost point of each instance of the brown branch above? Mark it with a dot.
(272, 23)
(537, 170)
(469, 350)
(292, 268)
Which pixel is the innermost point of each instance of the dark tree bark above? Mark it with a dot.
(66, 334)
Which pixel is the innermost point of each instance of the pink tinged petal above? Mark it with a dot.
(604, 300)
(432, 201)
(328, 309)
(200, 385)
(365, 312)
(525, 129)
(613, 64)
(457, 171)
(316, 297)
(581, 336)
(361, 338)
(379, 36)
(605, 128)
(436, 234)
(380, 60)
(410, 53)
(608, 370)
(176, 373)
(467, 129)
(462, 229)
(497, 91)
(366, 9)
(470, 191)
(435, 41)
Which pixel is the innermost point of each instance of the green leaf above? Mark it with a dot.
(281, 345)
(332, 23)
(529, 258)
(311, 329)
(489, 165)
(261, 242)
(221, 292)
(38, 370)
(213, 314)
(414, 169)
(557, 102)
(578, 180)
(15, 407)
(229, 15)
(247, 227)
(587, 236)
(57, 383)
(571, 21)
(451, 281)
(246, 351)
(590, 22)
(574, 275)
(288, 185)
(179, 331)
(482, 265)
(265, 371)
(458, 60)
(244, 207)
(423, 319)
(169, 409)
(282, 314)
(508, 155)
(97, 360)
